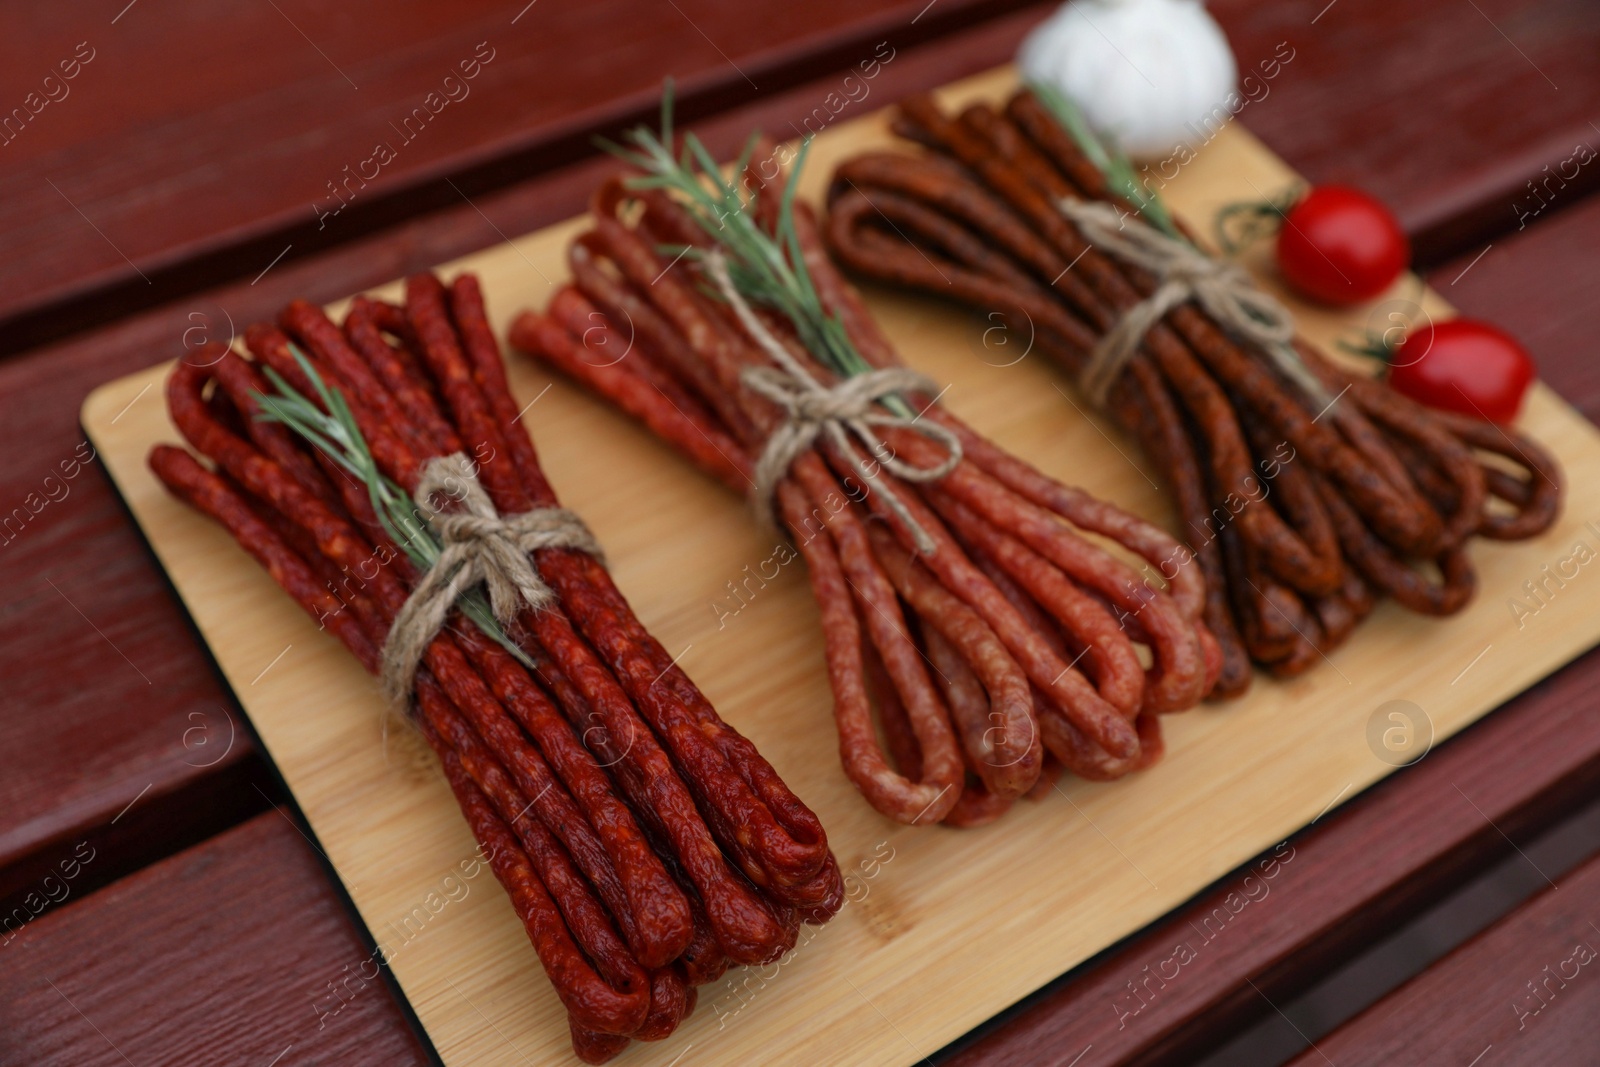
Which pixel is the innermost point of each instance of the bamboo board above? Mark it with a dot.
(946, 927)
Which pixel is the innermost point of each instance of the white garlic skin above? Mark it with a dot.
(1152, 74)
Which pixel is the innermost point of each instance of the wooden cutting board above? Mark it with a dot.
(945, 927)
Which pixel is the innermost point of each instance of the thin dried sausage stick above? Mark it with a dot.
(591, 1002)
(890, 792)
(987, 694)
(704, 446)
(587, 921)
(399, 373)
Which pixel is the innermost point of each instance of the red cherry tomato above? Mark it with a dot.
(1340, 246)
(1464, 366)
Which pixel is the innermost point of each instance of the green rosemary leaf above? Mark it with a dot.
(768, 269)
(667, 95)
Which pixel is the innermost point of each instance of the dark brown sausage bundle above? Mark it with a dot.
(644, 843)
(1298, 513)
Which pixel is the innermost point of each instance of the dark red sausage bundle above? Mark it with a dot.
(645, 844)
(978, 633)
(1299, 513)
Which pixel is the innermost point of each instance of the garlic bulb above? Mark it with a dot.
(1153, 74)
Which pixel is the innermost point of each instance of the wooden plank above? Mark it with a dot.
(125, 189)
(1373, 863)
(1523, 991)
(89, 732)
(147, 828)
(671, 536)
(193, 196)
(235, 951)
(1445, 110)
(109, 704)
(1360, 872)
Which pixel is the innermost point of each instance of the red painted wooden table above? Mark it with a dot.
(183, 184)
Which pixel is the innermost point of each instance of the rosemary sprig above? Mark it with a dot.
(768, 270)
(332, 430)
(1108, 159)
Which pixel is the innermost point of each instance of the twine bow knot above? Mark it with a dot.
(477, 545)
(1223, 288)
(850, 408)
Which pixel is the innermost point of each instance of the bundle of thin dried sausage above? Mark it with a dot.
(645, 843)
(972, 603)
(1304, 491)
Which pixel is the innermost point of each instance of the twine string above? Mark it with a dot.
(849, 409)
(478, 545)
(1223, 289)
